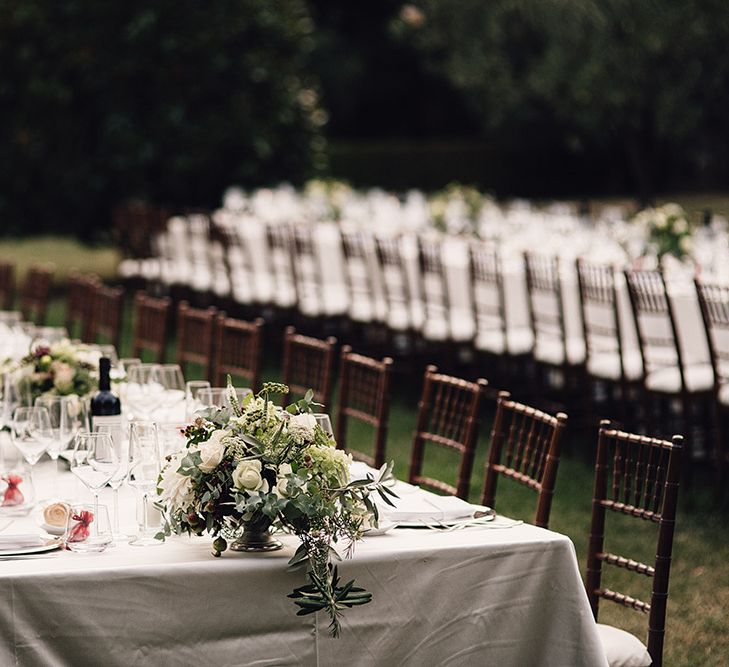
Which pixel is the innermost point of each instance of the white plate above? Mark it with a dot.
(490, 515)
(49, 544)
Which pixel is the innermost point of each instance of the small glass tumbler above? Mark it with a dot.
(88, 529)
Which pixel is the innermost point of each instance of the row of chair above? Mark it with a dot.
(33, 294)
(636, 475)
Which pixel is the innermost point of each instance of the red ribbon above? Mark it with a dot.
(13, 495)
(80, 531)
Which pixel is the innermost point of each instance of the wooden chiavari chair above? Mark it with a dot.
(493, 335)
(308, 363)
(238, 348)
(280, 252)
(151, 318)
(437, 324)
(525, 447)
(7, 285)
(35, 292)
(364, 395)
(449, 416)
(107, 315)
(307, 274)
(714, 302)
(666, 375)
(553, 350)
(195, 335)
(80, 292)
(638, 477)
(360, 283)
(608, 360)
(398, 302)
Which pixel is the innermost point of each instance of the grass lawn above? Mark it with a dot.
(699, 595)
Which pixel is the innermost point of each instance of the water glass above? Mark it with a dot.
(88, 529)
(17, 491)
(95, 461)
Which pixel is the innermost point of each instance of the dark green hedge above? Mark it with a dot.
(163, 101)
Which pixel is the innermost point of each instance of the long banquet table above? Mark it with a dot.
(478, 596)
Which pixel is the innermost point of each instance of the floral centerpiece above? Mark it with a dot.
(258, 466)
(456, 209)
(668, 228)
(61, 368)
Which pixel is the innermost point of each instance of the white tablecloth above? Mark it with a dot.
(480, 596)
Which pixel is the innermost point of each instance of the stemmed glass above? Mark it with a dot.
(144, 389)
(322, 418)
(95, 461)
(121, 445)
(11, 397)
(192, 396)
(173, 382)
(67, 416)
(31, 433)
(144, 469)
(218, 396)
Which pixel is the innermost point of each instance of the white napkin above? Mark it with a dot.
(426, 508)
(20, 541)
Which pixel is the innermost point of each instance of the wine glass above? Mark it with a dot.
(217, 397)
(144, 392)
(171, 438)
(31, 434)
(13, 394)
(322, 418)
(192, 396)
(121, 445)
(144, 469)
(66, 415)
(173, 382)
(95, 461)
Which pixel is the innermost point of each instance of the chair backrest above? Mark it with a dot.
(434, 284)
(635, 476)
(34, 293)
(107, 314)
(525, 447)
(364, 395)
(600, 313)
(654, 322)
(7, 285)
(308, 363)
(238, 348)
(281, 252)
(226, 229)
(714, 302)
(360, 282)
(151, 317)
(195, 337)
(487, 290)
(394, 278)
(80, 291)
(307, 274)
(449, 416)
(546, 311)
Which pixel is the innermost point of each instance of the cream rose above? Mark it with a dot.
(686, 244)
(282, 482)
(56, 514)
(211, 451)
(247, 476)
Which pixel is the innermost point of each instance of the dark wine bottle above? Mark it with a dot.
(105, 405)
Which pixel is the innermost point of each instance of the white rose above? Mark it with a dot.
(686, 244)
(247, 476)
(301, 427)
(283, 471)
(211, 451)
(661, 220)
(176, 489)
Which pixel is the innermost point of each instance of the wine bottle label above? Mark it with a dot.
(112, 424)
